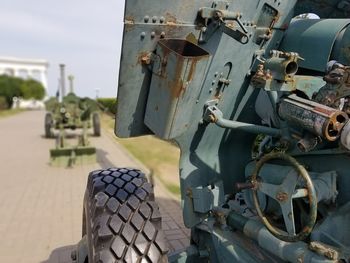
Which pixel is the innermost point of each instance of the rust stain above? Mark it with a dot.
(192, 70)
(177, 87)
(129, 27)
(143, 57)
(324, 110)
(171, 24)
(129, 20)
(231, 25)
(173, 29)
(170, 19)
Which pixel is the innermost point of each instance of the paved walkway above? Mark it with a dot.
(41, 206)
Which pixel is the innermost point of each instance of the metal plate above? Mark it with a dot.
(313, 40)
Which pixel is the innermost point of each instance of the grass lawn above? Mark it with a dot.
(161, 157)
(6, 113)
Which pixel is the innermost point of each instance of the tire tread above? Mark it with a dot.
(124, 219)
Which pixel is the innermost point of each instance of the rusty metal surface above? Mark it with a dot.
(175, 83)
(317, 118)
(154, 75)
(336, 92)
(135, 74)
(148, 21)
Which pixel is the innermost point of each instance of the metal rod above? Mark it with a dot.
(63, 80)
(71, 83)
(292, 252)
(248, 127)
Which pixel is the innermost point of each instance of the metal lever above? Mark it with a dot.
(221, 17)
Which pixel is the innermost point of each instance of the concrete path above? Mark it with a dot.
(41, 206)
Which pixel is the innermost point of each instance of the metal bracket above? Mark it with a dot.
(207, 197)
(153, 62)
(216, 18)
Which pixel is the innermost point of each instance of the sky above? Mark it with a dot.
(83, 34)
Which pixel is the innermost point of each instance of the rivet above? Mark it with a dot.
(143, 34)
(146, 19)
(161, 19)
(162, 35)
(154, 19)
(213, 82)
(153, 34)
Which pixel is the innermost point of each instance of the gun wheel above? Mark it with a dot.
(48, 125)
(122, 220)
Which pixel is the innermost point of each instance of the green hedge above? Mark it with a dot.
(108, 104)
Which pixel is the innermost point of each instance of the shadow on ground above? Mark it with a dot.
(60, 255)
(103, 160)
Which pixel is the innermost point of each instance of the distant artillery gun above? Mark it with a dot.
(72, 113)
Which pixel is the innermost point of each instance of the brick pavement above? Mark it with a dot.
(41, 206)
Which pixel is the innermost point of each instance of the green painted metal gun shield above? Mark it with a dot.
(313, 40)
(212, 154)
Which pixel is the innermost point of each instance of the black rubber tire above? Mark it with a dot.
(96, 124)
(48, 125)
(123, 222)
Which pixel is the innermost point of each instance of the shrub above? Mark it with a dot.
(108, 104)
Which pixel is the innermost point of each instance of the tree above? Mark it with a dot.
(9, 88)
(32, 89)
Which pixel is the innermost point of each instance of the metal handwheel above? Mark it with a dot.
(284, 195)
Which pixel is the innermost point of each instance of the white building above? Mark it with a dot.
(26, 68)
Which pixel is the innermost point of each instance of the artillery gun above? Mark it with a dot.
(71, 113)
(258, 103)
